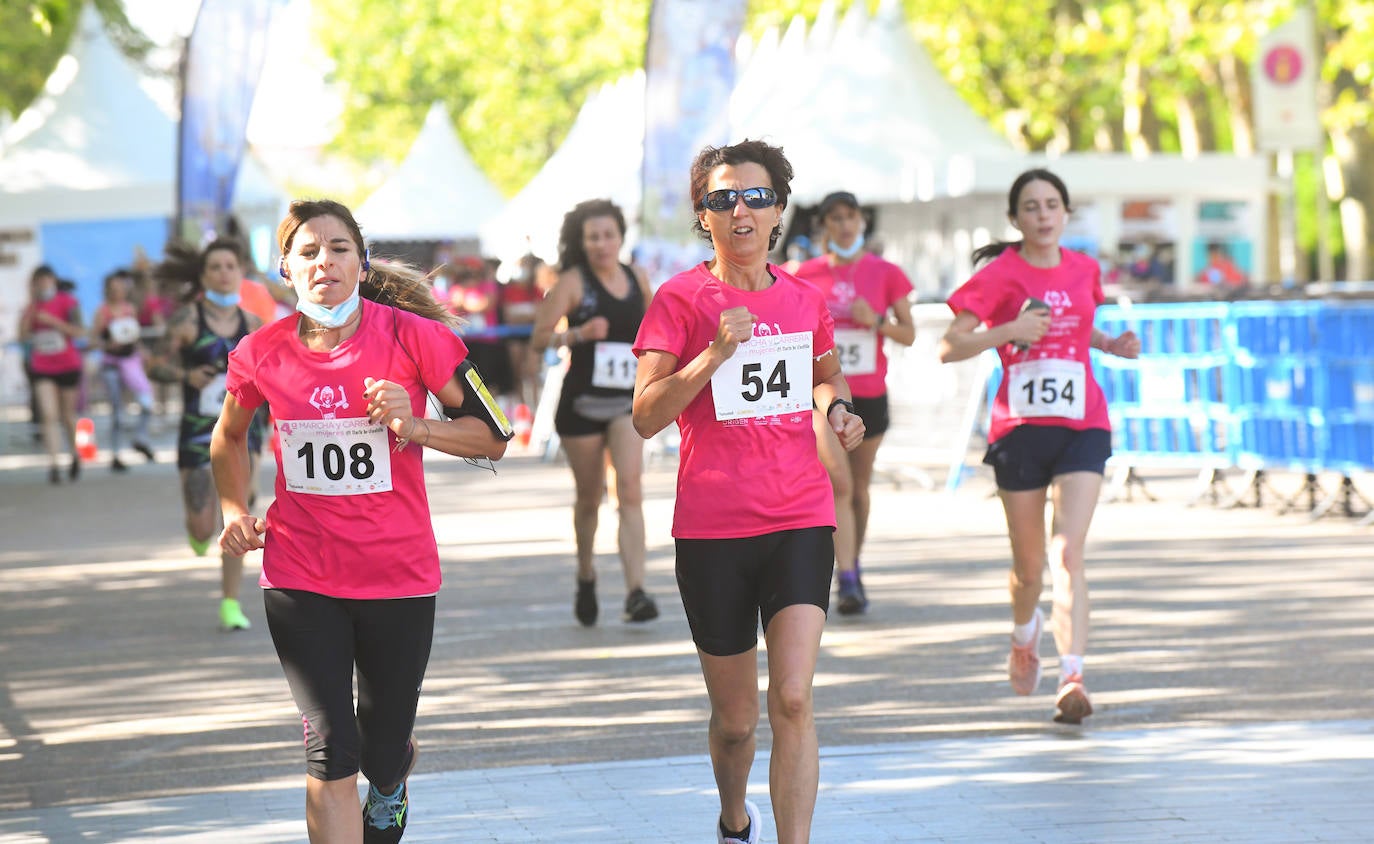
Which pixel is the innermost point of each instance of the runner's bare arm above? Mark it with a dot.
(231, 466)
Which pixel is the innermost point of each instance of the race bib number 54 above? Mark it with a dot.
(767, 376)
(1046, 387)
(334, 456)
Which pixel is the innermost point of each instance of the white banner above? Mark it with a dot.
(690, 72)
(1285, 87)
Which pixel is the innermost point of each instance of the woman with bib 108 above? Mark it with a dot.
(1050, 436)
(737, 350)
(350, 568)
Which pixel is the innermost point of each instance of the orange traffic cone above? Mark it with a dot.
(85, 439)
(524, 423)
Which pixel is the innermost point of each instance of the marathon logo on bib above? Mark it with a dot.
(334, 456)
(769, 375)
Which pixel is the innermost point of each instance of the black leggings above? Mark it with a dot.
(319, 640)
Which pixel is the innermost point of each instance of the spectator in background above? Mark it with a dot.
(1221, 271)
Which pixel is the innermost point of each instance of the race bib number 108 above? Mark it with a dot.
(334, 456)
(766, 376)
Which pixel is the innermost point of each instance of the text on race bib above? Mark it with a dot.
(1047, 387)
(766, 376)
(124, 330)
(613, 366)
(334, 456)
(857, 349)
(212, 396)
(49, 342)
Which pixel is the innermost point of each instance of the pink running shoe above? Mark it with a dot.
(1072, 705)
(1023, 665)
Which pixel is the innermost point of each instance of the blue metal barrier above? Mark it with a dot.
(1274, 385)
(1168, 408)
(1345, 393)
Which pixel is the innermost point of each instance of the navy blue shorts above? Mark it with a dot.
(729, 585)
(1031, 456)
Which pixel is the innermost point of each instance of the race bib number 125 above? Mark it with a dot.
(766, 376)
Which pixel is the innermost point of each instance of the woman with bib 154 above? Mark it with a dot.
(1050, 436)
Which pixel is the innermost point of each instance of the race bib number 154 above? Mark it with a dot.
(1046, 387)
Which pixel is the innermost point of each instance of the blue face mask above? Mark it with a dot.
(853, 249)
(224, 300)
(335, 317)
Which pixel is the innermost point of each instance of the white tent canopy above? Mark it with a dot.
(856, 104)
(96, 145)
(436, 193)
(599, 159)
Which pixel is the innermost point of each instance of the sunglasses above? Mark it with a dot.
(725, 199)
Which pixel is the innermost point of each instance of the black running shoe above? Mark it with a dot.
(75, 471)
(639, 607)
(145, 450)
(584, 606)
(384, 816)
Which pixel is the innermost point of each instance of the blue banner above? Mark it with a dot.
(223, 61)
(690, 72)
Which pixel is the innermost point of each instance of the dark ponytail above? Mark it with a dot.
(989, 251)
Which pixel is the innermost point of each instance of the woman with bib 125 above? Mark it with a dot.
(869, 300)
(350, 566)
(736, 351)
(603, 301)
(1050, 436)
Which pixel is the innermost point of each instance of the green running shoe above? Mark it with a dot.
(200, 546)
(231, 616)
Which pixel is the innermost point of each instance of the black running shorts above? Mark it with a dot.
(729, 585)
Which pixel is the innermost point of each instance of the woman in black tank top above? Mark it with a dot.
(603, 303)
(199, 339)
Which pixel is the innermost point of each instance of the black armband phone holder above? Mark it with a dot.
(477, 401)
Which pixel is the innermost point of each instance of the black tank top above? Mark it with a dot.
(209, 349)
(624, 316)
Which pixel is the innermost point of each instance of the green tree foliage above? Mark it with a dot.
(513, 73)
(35, 35)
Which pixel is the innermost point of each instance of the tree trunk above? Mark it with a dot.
(1235, 81)
(1354, 150)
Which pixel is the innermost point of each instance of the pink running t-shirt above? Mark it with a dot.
(351, 517)
(747, 475)
(1051, 383)
(51, 352)
(882, 284)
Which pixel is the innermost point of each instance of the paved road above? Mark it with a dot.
(1230, 668)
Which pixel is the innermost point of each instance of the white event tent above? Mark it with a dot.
(88, 175)
(857, 104)
(436, 193)
(600, 158)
